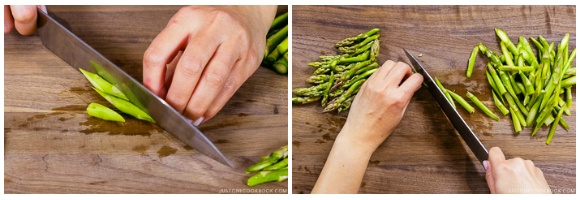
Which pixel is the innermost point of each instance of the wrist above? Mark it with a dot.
(354, 145)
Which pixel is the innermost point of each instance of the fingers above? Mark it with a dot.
(412, 84)
(381, 73)
(163, 48)
(189, 70)
(212, 81)
(495, 156)
(234, 82)
(8, 20)
(397, 73)
(169, 72)
(24, 19)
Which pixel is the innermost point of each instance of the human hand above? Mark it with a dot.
(222, 47)
(380, 105)
(23, 18)
(375, 112)
(515, 175)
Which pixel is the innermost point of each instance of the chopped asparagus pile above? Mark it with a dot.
(535, 90)
(276, 52)
(114, 96)
(273, 167)
(337, 79)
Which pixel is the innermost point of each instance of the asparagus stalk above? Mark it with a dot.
(103, 85)
(480, 105)
(462, 102)
(268, 176)
(102, 112)
(471, 62)
(273, 41)
(351, 40)
(125, 106)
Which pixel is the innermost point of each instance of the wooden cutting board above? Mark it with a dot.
(425, 154)
(52, 146)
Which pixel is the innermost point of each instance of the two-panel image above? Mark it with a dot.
(289, 99)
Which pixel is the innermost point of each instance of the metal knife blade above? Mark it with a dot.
(78, 54)
(466, 133)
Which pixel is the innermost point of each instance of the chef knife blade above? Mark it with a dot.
(466, 133)
(78, 54)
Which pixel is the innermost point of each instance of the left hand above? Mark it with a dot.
(222, 47)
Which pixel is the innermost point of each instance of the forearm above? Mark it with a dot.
(344, 168)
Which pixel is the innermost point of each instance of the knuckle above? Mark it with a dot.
(399, 99)
(190, 68)
(177, 101)
(151, 57)
(215, 78)
(518, 160)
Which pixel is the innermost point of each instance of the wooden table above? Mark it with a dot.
(425, 154)
(52, 146)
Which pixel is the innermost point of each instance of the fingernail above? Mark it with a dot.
(485, 164)
(198, 121)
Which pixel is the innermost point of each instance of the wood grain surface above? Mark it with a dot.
(52, 146)
(425, 154)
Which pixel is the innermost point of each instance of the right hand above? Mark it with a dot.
(23, 18)
(380, 105)
(515, 175)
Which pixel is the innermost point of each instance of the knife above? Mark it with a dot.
(466, 133)
(79, 54)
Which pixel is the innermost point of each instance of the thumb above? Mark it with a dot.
(489, 176)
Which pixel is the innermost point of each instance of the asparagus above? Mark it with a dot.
(335, 103)
(279, 21)
(281, 66)
(317, 90)
(445, 92)
(283, 47)
(471, 62)
(531, 84)
(306, 100)
(276, 50)
(462, 102)
(273, 167)
(480, 105)
(102, 112)
(268, 176)
(126, 106)
(351, 40)
(103, 85)
(273, 41)
(338, 78)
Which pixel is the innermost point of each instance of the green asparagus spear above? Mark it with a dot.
(268, 176)
(278, 165)
(126, 107)
(351, 40)
(283, 47)
(103, 85)
(445, 92)
(471, 62)
(317, 90)
(279, 21)
(462, 102)
(102, 112)
(273, 41)
(499, 105)
(281, 66)
(306, 100)
(483, 108)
